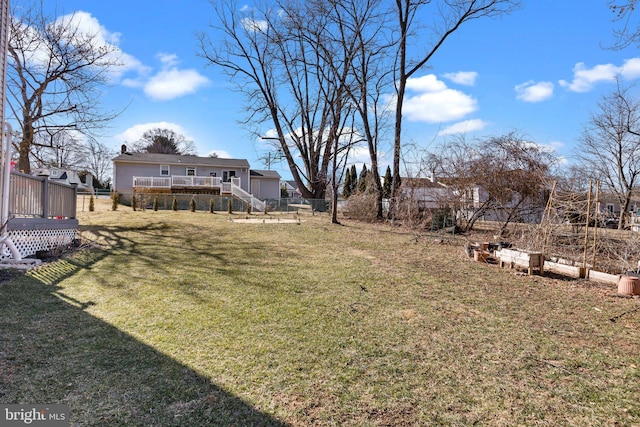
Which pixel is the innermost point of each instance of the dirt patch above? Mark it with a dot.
(266, 221)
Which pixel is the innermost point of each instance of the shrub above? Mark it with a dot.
(249, 208)
(361, 207)
(114, 201)
(192, 205)
(174, 204)
(211, 206)
(92, 206)
(155, 203)
(134, 204)
(229, 206)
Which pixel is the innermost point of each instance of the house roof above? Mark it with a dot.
(177, 159)
(256, 173)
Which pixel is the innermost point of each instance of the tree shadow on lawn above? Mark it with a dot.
(53, 351)
(155, 244)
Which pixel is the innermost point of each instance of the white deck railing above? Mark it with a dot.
(151, 182)
(178, 181)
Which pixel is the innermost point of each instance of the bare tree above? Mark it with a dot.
(58, 147)
(373, 77)
(504, 178)
(447, 17)
(98, 160)
(609, 148)
(163, 141)
(628, 32)
(290, 60)
(54, 76)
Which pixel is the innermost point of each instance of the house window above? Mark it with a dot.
(610, 208)
(227, 175)
(212, 174)
(191, 171)
(164, 170)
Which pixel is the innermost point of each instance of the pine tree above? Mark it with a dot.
(362, 181)
(174, 204)
(346, 186)
(386, 184)
(155, 203)
(192, 205)
(92, 206)
(354, 180)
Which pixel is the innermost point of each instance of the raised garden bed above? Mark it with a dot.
(519, 258)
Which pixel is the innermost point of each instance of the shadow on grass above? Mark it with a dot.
(53, 351)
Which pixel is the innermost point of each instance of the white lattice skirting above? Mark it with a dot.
(30, 238)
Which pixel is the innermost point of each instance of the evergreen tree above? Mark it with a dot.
(174, 204)
(386, 185)
(346, 186)
(354, 180)
(362, 181)
(92, 206)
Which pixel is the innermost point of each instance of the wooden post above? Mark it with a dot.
(586, 228)
(595, 232)
(45, 197)
(74, 203)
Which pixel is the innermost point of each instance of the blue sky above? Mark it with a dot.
(539, 71)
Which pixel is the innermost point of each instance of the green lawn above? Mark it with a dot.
(182, 318)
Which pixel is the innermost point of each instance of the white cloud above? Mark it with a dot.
(134, 133)
(253, 25)
(467, 78)
(427, 83)
(87, 25)
(463, 127)
(168, 83)
(534, 92)
(584, 79)
(434, 102)
(172, 82)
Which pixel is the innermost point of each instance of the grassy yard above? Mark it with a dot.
(181, 318)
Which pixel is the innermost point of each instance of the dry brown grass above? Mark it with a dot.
(310, 324)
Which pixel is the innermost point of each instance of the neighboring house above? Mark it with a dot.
(265, 184)
(173, 173)
(469, 199)
(65, 176)
(426, 193)
(292, 188)
(609, 208)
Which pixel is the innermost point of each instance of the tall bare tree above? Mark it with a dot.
(98, 160)
(55, 75)
(290, 60)
(446, 18)
(609, 148)
(373, 77)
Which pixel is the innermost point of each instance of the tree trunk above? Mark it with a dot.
(24, 164)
